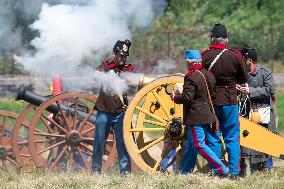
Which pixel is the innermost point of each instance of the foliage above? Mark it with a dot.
(258, 23)
(186, 24)
(8, 67)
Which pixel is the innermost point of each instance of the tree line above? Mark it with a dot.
(258, 23)
(186, 24)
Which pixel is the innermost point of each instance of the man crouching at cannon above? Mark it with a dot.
(198, 114)
(110, 112)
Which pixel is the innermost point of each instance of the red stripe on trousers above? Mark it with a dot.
(196, 144)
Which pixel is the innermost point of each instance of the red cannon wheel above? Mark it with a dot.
(7, 159)
(69, 144)
(20, 136)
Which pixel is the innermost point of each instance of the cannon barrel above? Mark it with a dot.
(145, 79)
(37, 100)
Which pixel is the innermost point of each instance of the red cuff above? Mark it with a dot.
(175, 98)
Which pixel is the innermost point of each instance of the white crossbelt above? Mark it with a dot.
(215, 59)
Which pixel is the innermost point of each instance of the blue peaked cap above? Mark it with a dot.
(192, 54)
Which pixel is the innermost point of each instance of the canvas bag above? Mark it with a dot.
(264, 114)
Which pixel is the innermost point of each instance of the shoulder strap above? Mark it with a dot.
(208, 92)
(216, 58)
(122, 101)
(210, 100)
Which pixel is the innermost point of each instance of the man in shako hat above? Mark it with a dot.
(110, 112)
(198, 114)
(260, 89)
(228, 67)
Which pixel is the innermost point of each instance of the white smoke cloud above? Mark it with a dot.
(71, 31)
(165, 66)
(10, 37)
(13, 16)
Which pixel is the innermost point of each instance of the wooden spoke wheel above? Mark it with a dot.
(20, 138)
(8, 162)
(68, 136)
(153, 125)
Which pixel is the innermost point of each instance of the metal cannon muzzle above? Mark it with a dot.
(145, 79)
(37, 100)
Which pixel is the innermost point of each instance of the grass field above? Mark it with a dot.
(280, 109)
(138, 181)
(159, 180)
(12, 105)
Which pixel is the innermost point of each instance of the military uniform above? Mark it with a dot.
(110, 108)
(228, 70)
(261, 91)
(198, 117)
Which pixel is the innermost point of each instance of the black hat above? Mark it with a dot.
(219, 31)
(244, 50)
(122, 47)
(252, 54)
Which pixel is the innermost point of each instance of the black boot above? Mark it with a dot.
(234, 177)
(243, 171)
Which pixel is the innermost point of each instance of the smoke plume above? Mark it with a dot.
(166, 66)
(73, 31)
(14, 15)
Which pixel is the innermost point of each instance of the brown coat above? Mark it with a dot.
(196, 106)
(228, 70)
(110, 102)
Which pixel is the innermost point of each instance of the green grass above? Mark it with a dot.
(139, 181)
(12, 105)
(280, 110)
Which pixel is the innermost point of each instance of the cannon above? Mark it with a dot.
(17, 150)
(37, 100)
(150, 122)
(65, 139)
(20, 135)
(152, 119)
(8, 162)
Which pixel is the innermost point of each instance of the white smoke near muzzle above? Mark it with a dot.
(165, 66)
(72, 31)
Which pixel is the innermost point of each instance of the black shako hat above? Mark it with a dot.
(219, 31)
(244, 50)
(122, 47)
(252, 53)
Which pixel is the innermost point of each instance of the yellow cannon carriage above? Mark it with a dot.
(152, 119)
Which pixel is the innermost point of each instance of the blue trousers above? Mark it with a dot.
(269, 164)
(166, 160)
(104, 122)
(228, 116)
(196, 143)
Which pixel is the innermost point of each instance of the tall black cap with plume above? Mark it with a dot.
(122, 47)
(219, 31)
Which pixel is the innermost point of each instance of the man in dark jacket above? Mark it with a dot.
(259, 92)
(229, 69)
(110, 108)
(197, 114)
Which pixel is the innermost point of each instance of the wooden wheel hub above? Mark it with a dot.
(3, 153)
(175, 129)
(74, 138)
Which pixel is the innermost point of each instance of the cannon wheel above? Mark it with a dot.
(69, 145)
(146, 124)
(20, 138)
(7, 159)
